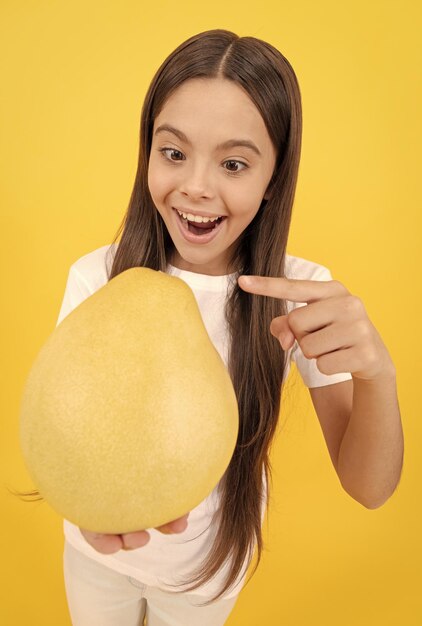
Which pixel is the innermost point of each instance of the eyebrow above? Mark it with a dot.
(230, 143)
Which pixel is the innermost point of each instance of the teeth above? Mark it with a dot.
(197, 218)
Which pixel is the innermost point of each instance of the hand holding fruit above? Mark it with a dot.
(108, 543)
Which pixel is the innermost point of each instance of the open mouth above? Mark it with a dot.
(199, 228)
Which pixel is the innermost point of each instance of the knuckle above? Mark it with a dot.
(364, 329)
(340, 287)
(353, 303)
(371, 355)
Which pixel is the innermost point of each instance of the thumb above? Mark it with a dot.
(281, 330)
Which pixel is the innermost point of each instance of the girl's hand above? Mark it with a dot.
(333, 328)
(107, 543)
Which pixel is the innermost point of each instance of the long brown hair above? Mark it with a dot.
(256, 361)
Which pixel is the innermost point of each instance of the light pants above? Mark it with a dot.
(99, 596)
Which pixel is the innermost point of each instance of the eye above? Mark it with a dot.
(237, 163)
(163, 152)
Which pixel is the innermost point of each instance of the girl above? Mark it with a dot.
(220, 142)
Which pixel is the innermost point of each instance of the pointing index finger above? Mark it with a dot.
(291, 289)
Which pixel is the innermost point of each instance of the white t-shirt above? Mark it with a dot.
(168, 558)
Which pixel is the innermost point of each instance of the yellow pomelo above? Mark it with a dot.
(128, 416)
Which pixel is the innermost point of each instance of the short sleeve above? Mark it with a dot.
(307, 368)
(76, 291)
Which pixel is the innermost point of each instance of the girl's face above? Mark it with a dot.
(191, 170)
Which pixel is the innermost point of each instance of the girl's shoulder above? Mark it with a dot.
(303, 269)
(87, 274)
(93, 268)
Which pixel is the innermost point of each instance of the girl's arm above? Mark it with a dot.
(370, 442)
(362, 423)
(371, 453)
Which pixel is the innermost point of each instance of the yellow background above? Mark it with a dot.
(74, 75)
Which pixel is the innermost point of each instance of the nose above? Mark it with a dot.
(196, 183)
